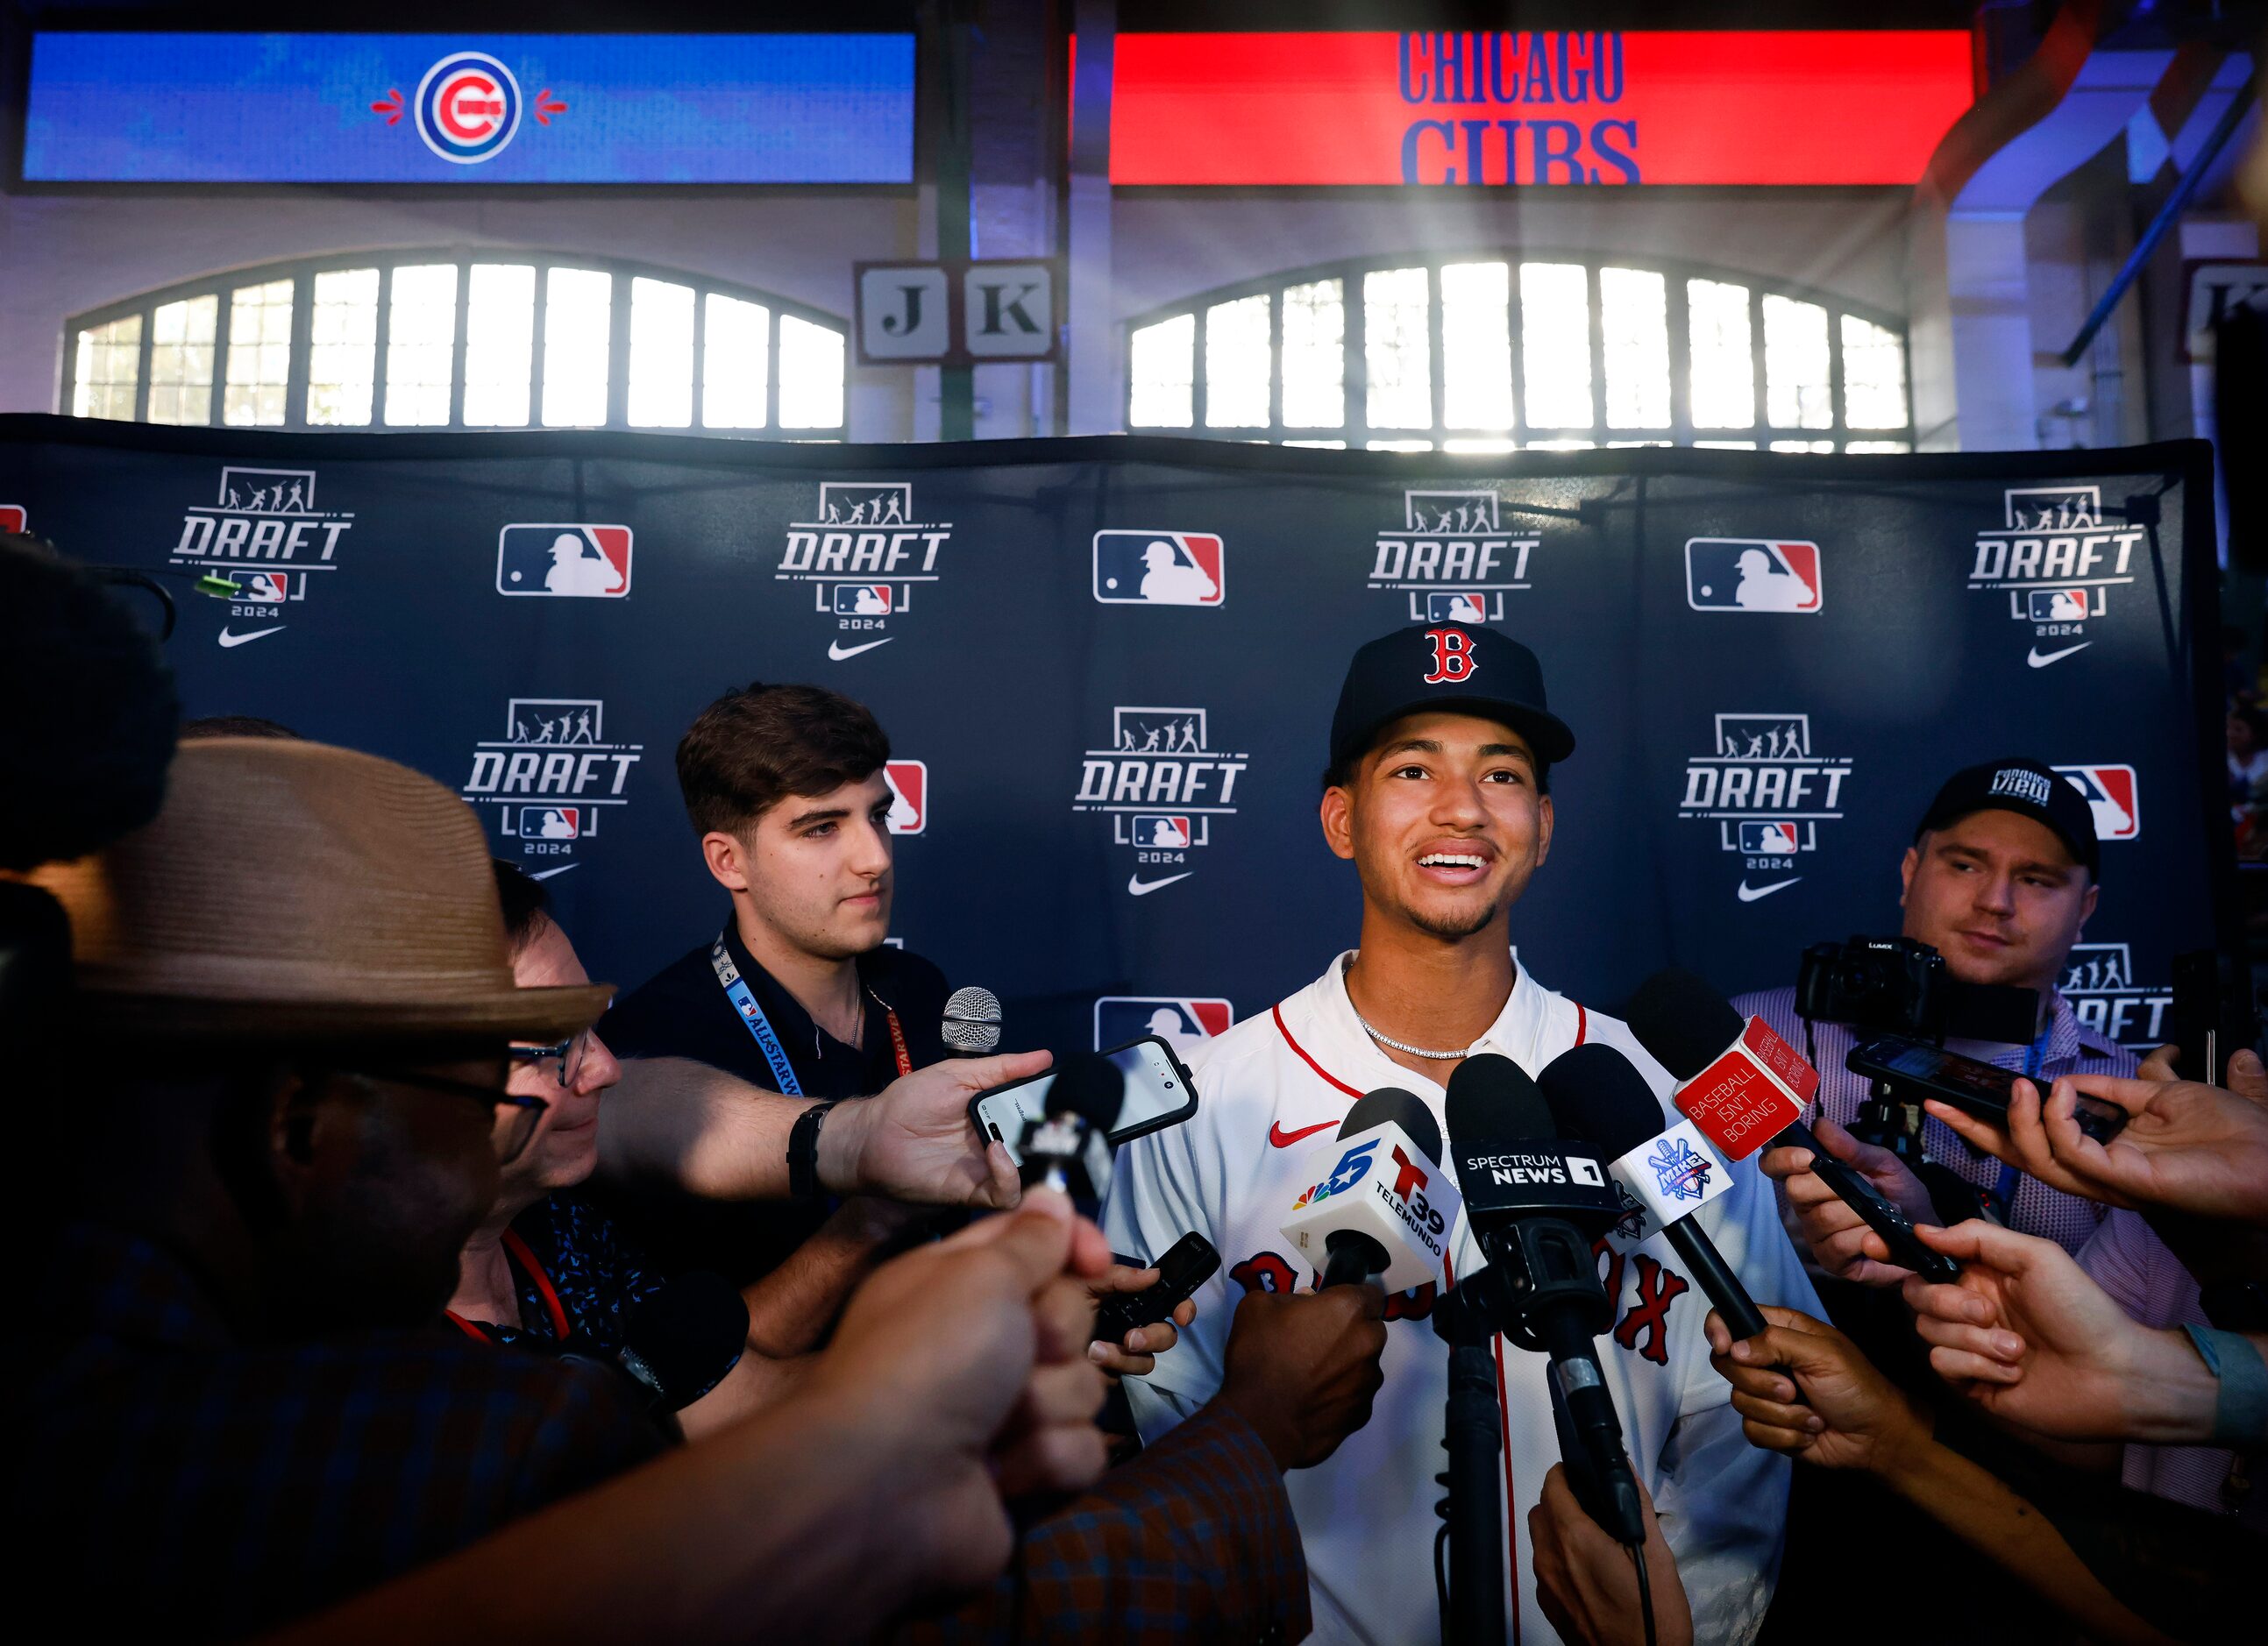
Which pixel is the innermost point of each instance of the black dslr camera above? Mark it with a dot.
(1893, 984)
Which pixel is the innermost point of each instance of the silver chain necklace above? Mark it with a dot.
(1414, 1051)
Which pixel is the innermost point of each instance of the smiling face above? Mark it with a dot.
(1443, 821)
(814, 870)
(564, 1150)
(1998, 896)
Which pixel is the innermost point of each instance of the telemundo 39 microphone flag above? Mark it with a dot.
(1106, 668)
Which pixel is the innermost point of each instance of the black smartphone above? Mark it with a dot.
(1187, 1264)
(1876, 1209)
(2195, 1025)
(1913, 1072)
(1159, 1094)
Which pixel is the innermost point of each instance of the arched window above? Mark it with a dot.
(462, 339)
(1482, 353)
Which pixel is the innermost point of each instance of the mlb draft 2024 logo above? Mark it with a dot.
(1452, 557)
(1753, 574)
(466, 108)
(863, 556)
(1767, 791)
(2057, 562)
(2098, 980)
(1183, 1022)
(1163, 785)
(1159, 568)
(552, 775)
(265, 534)
(569, 562)
(2110, 795)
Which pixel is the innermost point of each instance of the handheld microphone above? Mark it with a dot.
(1745, 1087)
(1379, 1209)
(1530, 1215)
(1067, 1148)
(1595, 1093)
(972, 1023)
(678, 1343)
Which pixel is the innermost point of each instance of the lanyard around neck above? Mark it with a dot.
(518, 1250)
(767, 1041)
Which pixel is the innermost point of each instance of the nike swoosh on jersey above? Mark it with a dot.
(1140, 887)
(1750, 893)
(1279, 1138)
(228, 639)
(545, 874)
(2040, 661)
(837, 651)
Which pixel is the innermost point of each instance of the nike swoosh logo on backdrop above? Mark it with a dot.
(1750, 893)
(837, 651)
(2038, 661)
(1277, 1137)
(547, 873)
(1140, 887)
(228, 639)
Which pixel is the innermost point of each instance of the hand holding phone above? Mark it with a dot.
(1880, 1214)
(1187, 1264)
(1913, 1072)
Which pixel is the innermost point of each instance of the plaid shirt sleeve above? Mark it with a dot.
(1193, 1539)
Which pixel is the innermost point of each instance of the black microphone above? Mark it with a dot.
(972, 1023)
(677, 1344)
(1596, 1094)
(1745, 1087)
(1068, 1147)
(1356, 1256)
(1526, 1192)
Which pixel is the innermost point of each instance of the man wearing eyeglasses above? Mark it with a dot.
(287, 1122)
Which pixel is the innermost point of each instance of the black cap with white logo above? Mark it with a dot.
(1447, 665)
(2028, 788)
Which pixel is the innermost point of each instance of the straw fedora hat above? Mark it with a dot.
(294, 892)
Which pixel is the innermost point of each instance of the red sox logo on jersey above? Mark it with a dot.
(1452, 656)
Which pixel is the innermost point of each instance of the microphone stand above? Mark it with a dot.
(1473, 1608)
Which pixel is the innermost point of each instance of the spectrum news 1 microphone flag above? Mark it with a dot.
(1107, 669)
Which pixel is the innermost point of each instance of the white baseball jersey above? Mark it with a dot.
(1271, 1092)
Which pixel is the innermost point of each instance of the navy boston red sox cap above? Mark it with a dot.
(2029, 789)
(1447, 665)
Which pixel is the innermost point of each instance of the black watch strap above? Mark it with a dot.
(803, 1153)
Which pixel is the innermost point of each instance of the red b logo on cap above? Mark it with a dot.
(1452, 656)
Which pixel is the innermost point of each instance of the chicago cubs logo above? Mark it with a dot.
(1767, 791)
(1452, 556)
(1452, 656)
(467, 107)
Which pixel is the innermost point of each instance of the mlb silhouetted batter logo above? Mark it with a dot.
(1158, 568)
(1452, 656)
(1181, 1021)
(1741, 574)
(2110, 796)
(908, 784)
(566, 561)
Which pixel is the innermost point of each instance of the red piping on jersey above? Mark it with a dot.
(1277, 1012)
(1582, 1022)
(1511, 1498)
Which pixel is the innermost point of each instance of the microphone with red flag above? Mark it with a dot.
(1746, 1088)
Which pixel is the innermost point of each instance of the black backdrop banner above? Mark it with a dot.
(1106, 667)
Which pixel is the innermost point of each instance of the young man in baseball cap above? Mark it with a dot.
(1438, 789)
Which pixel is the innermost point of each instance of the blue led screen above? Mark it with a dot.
(472, 108)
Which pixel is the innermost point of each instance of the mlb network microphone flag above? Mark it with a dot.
(1106, 666)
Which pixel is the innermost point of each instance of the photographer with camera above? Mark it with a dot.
(2000, 879)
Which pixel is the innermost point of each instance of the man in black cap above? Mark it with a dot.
(1438, 789)
(2000, 879)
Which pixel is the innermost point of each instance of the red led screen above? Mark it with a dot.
(1782, 107)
